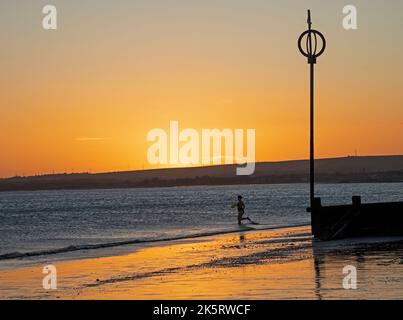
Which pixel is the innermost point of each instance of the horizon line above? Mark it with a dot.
(193, 167)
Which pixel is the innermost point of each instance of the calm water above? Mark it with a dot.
(43, 220)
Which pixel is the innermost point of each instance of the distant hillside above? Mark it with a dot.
(334, 170)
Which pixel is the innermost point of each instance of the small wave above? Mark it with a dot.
(21, 255)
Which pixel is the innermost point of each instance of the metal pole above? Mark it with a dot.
(312, 141)
(311, 61)
(311, 51)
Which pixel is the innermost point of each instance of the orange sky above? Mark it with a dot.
(84, 97)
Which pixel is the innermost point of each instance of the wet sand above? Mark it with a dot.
(272, 264)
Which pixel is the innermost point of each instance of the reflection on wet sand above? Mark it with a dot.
(275, 264)
(378, 263)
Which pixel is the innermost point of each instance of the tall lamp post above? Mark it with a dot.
(309, 47)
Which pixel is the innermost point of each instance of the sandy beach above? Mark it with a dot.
(271, 264)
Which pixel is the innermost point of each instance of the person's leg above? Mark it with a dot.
(240, 214)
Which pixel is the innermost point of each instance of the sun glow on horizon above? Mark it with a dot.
(83, 98)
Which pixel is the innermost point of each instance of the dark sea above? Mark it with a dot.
(45, 222)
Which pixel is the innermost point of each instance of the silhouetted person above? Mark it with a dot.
(241, 210)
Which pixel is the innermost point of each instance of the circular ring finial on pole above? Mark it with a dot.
(311, 50)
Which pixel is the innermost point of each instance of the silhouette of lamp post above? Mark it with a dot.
(308, 45)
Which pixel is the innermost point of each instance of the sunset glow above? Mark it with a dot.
(83, 98)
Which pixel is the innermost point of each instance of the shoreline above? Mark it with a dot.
(262, 264)
(83, 247)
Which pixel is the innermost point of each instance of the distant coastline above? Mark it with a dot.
(369, 169)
